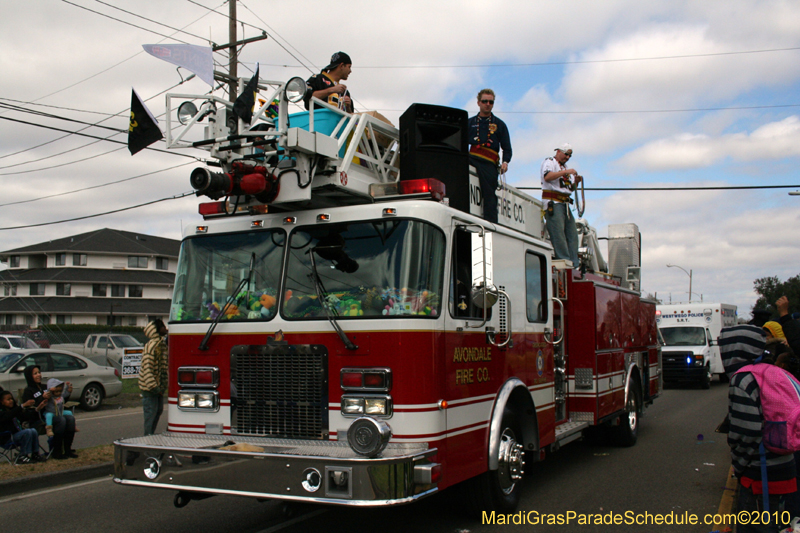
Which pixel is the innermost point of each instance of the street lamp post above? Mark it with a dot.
(690, 279)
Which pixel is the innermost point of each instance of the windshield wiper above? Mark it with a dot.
(228, 301)
(321, 295)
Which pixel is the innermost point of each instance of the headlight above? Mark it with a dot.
(186, 400)
(205, 401)
(374, 405)
(198, 401)
(352, 406)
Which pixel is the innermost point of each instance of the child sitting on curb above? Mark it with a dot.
(55, 404)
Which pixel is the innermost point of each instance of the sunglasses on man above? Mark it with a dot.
(487, 102)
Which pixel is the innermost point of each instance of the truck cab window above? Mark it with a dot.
(380, 268)
(210, 267)
(461, 283)
(535, 287)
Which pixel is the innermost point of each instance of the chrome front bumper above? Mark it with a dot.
(286, 469)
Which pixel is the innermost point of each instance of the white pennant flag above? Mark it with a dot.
(193, 58)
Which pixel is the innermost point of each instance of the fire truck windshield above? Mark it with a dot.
(212, 266)
(684, 336)
(380, 268)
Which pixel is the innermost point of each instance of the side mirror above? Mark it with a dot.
(478, 299)
(20, 369)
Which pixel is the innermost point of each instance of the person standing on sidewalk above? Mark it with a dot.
(740, 346)
(153, 374)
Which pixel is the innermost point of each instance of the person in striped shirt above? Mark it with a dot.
(153, 375)
(740, 346)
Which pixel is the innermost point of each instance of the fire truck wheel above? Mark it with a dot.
(706, 381)
(499, 490)
(628, 430)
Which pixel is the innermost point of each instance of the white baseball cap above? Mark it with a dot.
(566, 147)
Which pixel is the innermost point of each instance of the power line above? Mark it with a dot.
(109, 68)
(108, 117)
(629, 111)
(287, 42)
(97, 186)
(92, 136)
(582, 62)
(151, 20)
(690, 110)
(709, 188)
(122, 21)
(176, 197)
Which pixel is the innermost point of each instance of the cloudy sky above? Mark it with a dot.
(650, 94)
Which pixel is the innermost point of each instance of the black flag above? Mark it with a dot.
(243, 106)
(143, 130)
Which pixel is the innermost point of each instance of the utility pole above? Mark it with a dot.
(233, 86)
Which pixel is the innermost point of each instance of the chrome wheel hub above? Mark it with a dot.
(510, 461)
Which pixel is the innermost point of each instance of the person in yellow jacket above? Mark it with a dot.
(153, 374)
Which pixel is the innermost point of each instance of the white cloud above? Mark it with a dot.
(775, 140)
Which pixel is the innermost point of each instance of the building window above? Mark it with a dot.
(79, 260)
(131, 320)
(13, 261)
(43, 319)
(98, 290)
(37, 289)
(162, 263)
(117, 291)
(61, 259)
(63, 319)
(135, 291)
(9, 290)
(9, 321)
(115, 320)
(137, 261)
(28, 320)
(63, 289)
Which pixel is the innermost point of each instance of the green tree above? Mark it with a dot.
(771, 288)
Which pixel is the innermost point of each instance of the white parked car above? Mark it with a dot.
(90, 381)
(16, 342)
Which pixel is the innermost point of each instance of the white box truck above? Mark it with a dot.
(690, 332)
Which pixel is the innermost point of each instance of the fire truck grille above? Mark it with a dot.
(280, 391)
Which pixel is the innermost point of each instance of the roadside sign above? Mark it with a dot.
(131, 361)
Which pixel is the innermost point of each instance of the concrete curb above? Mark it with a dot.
(53, 479)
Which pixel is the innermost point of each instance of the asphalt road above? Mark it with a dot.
(679, 465)
(106, 426)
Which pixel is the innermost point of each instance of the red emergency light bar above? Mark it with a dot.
(211, 208)
(429, 185)
(435, 187)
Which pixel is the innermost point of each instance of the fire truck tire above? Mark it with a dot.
(627, 432)
(500, 490)
(706, 380)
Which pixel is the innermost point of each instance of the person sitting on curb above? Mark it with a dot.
(59, 394)
(11, 418)
(63, 426)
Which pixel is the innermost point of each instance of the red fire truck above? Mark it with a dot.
(343, 332)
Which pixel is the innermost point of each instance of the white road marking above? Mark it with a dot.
(57, 489)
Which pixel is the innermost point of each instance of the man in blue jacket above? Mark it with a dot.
(488, 135)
